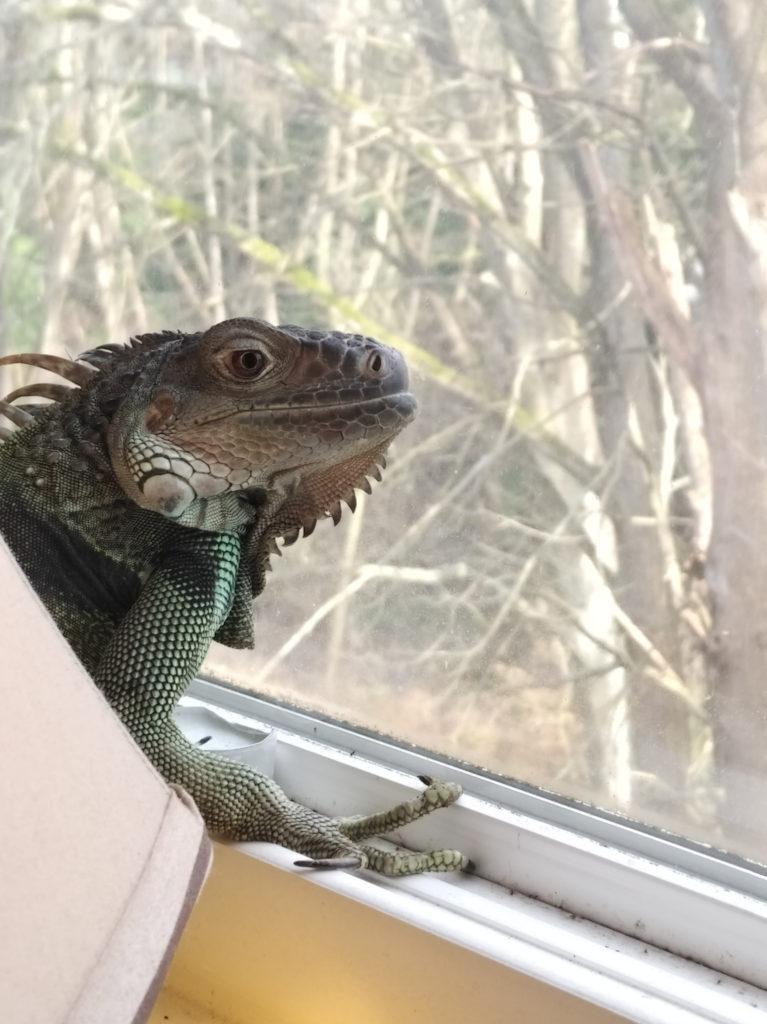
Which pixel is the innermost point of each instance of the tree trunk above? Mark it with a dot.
(625, 388)
(731, 370)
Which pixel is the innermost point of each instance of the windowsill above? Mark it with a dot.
(596, 964)
(563, 883)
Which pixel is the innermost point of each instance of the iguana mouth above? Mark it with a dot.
(403, 403)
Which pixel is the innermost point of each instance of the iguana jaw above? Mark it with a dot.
(301, 470)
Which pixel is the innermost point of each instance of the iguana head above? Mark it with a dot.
(248, 414)
(245, 421)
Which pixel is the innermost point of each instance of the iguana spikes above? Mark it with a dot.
(78, 373)
(55, 392)
(99, 357)
(18, 416)
(103, 356)
(335, 513)
(21, 416)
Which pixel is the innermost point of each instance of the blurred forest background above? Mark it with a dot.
(557, 209)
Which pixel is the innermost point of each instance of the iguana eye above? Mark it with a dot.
(246, 363)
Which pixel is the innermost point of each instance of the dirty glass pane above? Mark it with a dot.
(556, 210)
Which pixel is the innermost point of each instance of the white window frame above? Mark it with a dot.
(634, 921)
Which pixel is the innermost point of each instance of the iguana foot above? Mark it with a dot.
(394, 863)
(238, 802)
(401, 862)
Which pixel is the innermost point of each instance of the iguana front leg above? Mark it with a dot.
(146, 667)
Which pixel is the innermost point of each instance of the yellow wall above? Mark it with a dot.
(265, 946)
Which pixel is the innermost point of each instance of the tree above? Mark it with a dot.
(723, 83)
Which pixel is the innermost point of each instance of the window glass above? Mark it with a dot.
(556, 210)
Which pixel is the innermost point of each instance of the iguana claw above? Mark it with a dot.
(331, 863)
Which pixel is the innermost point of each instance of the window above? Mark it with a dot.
(556, 211)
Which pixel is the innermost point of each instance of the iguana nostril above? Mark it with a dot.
(376, 364)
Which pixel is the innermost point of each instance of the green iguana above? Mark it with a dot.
(143, 504)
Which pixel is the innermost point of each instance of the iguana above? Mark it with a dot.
(143, 504)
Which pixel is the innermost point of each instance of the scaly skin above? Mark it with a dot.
(143, 504)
